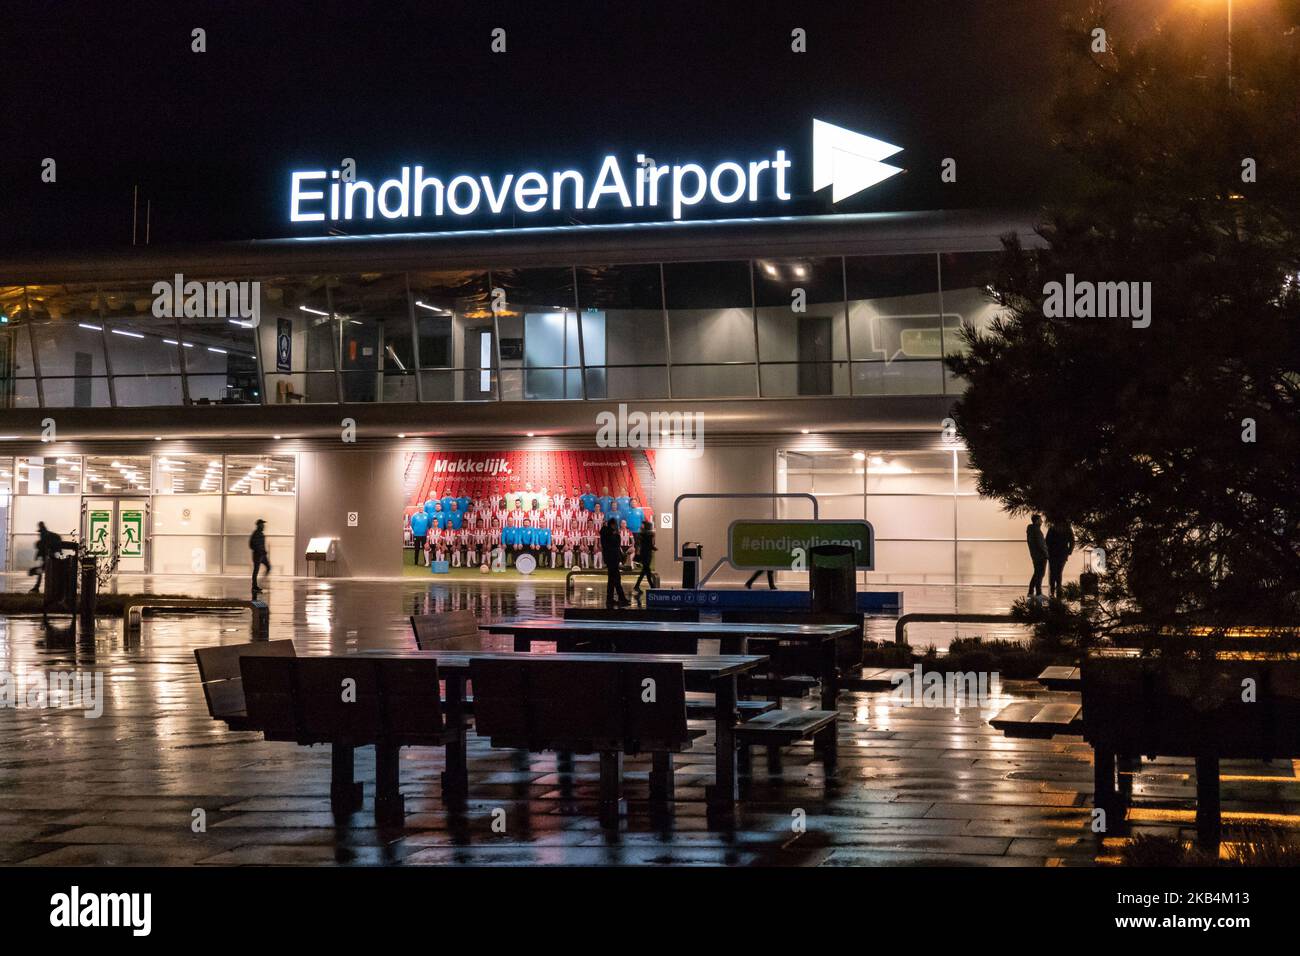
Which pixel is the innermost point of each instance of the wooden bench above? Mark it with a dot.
(876, 678)
(1194, 707)
(1041, 719)
(597, 706)
(450, 630)
(223, 686)
(133, 611)
(779, 728)
(900, 628)
(1060, 677)
(701, 706)
(350, 702)
(795, 658)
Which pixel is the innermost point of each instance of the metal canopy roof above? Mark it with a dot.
(849, 234)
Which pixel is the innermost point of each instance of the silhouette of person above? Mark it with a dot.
(1037, 553)
(1060, 543)
(612, 552)
(257, 545)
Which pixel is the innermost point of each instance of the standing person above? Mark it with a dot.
(645, 554)
(626, 540)
(771, 581)
(257, 545)
(1060, 544)
(1037, 553)
(612, 554)
(419, 533)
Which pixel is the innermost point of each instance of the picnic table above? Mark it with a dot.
(714, 673)
(733, 638)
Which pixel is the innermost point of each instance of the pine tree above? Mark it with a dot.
(1175, 447)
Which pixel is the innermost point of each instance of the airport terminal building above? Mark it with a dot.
(163, 399)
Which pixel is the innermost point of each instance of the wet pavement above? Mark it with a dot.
(154, 780)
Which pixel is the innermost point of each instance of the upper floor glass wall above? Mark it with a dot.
(455, 336)
(296, 343)
(779, 327)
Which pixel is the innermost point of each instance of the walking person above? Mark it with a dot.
(257, 545)
(771, 581)
(1037, 553)
(612, 553)
(645, 554)
(48, 545)
(1060, 544)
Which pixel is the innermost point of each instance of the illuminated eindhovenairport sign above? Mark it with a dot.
(848, 162)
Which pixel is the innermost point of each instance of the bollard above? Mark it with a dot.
(89, 592)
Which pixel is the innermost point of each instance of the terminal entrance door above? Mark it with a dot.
(117, 526)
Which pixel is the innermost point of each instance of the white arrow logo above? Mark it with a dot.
(847, 161)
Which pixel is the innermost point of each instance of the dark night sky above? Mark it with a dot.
(119, 99)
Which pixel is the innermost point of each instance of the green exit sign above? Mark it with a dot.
(778, 545)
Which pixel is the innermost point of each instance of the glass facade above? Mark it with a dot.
(782, 327)
(196, 511)
(931, 525)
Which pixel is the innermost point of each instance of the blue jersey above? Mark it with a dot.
(446, 501)
(463, 504)
(419, 524)
(509, 536)
(428, 507)
(606, 503)
(542, 537)
(439, 518)
(622, 503)
(634, 517)
(455, 519)
(588, 502)
(527, 537)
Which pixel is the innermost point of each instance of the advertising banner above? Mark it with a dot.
(494, 474)
(777, 545)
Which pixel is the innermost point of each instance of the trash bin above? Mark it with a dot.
(692, 555)
(832, 579)
(61, 585)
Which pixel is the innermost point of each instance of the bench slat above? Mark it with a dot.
(1018, 713)
(451, 630)
(788, 725)
(1063, 713)
(702, 707)
(1059, 677)
(223, 689)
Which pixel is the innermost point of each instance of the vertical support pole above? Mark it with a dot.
(345, 794)
(661, 776)
(1103, 784)
(1208, 822)
(721, 796)
(455, 779)
(389, 806)
(611, 786)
